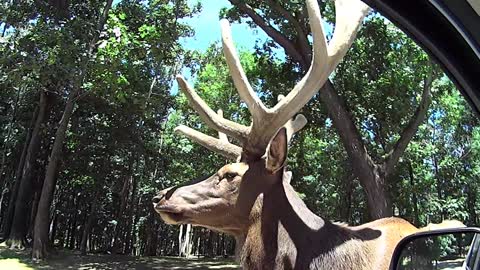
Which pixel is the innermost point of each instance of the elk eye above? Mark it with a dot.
(230, 175)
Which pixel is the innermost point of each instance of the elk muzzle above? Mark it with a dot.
(169, 212)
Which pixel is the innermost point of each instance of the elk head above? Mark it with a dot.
(229, 199)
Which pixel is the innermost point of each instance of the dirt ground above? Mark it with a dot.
(13, 260)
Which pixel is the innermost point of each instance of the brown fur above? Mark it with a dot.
(274, 229)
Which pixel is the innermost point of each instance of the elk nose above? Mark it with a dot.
(157, 199)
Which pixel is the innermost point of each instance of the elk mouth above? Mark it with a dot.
(170, 213)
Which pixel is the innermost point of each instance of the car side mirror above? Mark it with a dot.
(451, 249)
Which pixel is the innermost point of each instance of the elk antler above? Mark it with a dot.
(220, 145)
(223, 146)
(266, 121)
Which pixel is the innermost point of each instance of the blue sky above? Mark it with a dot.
(206, 25)
(207, 28)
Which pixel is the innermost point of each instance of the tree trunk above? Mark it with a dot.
(180, 241)
(370, 175)
(377, 196)
(19, 229)
(33, 212)
(129, 235)
(53, 226)
(5, 193)
(40, 239)
(7, 221)
(185, 240)
(471, 203)
(416, 214)
(73, 230)
(151, 231)
(7, 138)
(116, 241)
(210, 244)
(88, 226)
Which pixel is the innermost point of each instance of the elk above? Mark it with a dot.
(252, 198)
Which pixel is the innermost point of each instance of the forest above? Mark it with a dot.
(89, 105)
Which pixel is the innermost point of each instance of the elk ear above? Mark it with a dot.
(277, 151)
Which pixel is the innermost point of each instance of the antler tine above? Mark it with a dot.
(222, 136)
(348, 18)
(220, 145)
(213, 144)
(213, 120)
(315, 76)
(324, 59)
(293, 125)
(255, 105)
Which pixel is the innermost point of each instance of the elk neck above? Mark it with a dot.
(285, 234)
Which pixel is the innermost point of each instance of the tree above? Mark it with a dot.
(121, 130)
(285, 23)
(41, 229)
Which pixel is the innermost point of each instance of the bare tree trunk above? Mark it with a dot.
(185, 240)
(152, 237)
(7, 222)
(19, 229)
(73, 229)
(116, 241)
(471, 203)
(370, 175)
(132, 208)
(9, 134)
(88, 225)
(5, 193)
(53, 227)
(40, 240)
(210, 244)
(416, 213)
(92, 217)
(33, 212)
(180, 241)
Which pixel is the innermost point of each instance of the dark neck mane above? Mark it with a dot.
(285, 234)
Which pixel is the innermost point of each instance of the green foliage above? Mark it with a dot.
(121, 147)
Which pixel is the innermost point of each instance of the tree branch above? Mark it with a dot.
(303, 43)
(278, 37)
(101, 23)
(409, 131)
(346, 129)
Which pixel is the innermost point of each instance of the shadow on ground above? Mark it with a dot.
(13, 260)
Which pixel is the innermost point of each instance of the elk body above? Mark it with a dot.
(252, 199)
(254, 202)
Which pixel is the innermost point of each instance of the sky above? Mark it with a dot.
(207, 28)
(206, 25)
